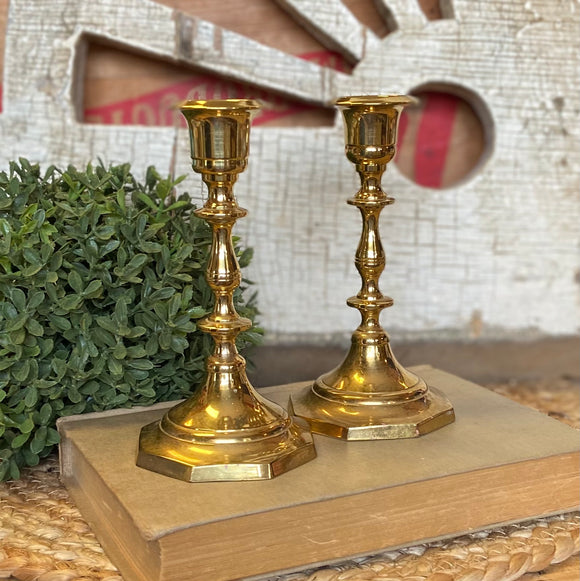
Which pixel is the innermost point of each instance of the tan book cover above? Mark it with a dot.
(498, 463)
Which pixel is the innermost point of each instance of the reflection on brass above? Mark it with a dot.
(225, 430)
(371, 396)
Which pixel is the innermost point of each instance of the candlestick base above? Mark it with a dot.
(265, 442)
(367, 422)
(371, 396)
(162, 453)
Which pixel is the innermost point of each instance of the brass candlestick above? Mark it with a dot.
(371, 396)
(226, 430)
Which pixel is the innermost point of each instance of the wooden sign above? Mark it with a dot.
(494, 255)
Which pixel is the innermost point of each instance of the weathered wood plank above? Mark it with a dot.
(332, 22)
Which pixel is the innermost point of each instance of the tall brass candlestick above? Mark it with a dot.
(225, 430)
(371, 396)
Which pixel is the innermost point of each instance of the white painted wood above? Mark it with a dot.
(332, 23)
(499, 249)
(402, 14)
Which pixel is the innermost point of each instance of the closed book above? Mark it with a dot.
(498, 463)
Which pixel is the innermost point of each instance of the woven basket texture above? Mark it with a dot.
(43, 537)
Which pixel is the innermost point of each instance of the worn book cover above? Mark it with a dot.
(498, 463)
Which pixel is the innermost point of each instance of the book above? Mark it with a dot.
(499, 463)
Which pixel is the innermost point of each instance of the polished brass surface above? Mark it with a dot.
(225, 430)
(371, 396)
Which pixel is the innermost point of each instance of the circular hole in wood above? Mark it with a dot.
(446, 138)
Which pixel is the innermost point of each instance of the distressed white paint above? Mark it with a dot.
(332, 21)
(403, 15)
(501, 246)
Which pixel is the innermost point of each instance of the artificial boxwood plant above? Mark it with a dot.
(101, 284)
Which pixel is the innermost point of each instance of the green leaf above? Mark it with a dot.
(150, 247)
(74, 395)
(32, 257)
(5, 363)
(121, 199)
(173, 306)
(45, 413)
(18, 337)
(94, 289)
(59, 323)
(197, 312)
(136, 352)
(20, 371)
(115, 367)
(138, 262)
(179, 344)
(35, 299)
(70, 302)
(120, 351)
(162, 294)
(27, 425)
(109, 247)
(30, 458)
(165, 339)
(144, 364)
(20, 440)
(16, 323)
(135, 332)
(34, 328)
(108, 324)
(31, 396)
(105, 232)
(147, 201)
(246, 257)
(152, 346)
(18, 298)
(177, 205)
(76, 282)
(39, 440)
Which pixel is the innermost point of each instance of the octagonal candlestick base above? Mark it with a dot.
(225, 430)
(371, 396)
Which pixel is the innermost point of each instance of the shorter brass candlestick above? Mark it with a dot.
(371, 396)
(226, 430)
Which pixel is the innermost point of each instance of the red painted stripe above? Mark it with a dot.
(327, 58)
(157, 108)
(433, 138)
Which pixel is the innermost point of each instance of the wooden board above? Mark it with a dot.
(499, 463)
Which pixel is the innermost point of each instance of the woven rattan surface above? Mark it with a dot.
(43, 536)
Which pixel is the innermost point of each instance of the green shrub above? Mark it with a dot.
(98, 299)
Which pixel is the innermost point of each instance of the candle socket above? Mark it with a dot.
(225, 430)
(370, 395)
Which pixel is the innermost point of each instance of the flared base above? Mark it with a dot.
(371, 396)
(231, 459)
(369, 421)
